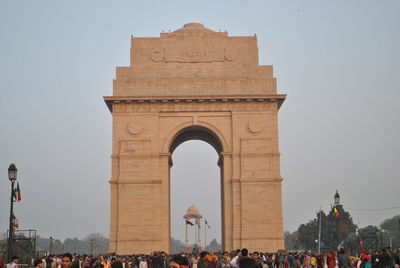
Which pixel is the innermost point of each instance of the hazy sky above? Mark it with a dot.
(338, 61)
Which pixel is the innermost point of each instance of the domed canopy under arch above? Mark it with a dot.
(192, 212)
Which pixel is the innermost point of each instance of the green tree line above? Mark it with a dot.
(341, 231)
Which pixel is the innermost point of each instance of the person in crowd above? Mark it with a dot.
(306, 260)
(143, 262)
(256, 257)
(225, 261)
(245, 261)
(366, 261)
(331, 259)
(320, 260)
(13, 262)
(269, 260)
(116, 263)
(387, 258)
(104, 262)
(235, 259)
(66, 260)
(178, 261)
(1, 260)
(38, 263)
(156, 260)
(211, 259)
(313, 261)
(201, 262)
(343, 259)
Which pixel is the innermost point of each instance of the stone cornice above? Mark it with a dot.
(194, 99)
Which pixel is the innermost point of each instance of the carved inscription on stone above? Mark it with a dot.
(135, 148)
(191, 54)
(254, 146)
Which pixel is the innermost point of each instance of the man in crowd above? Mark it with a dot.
(343, 259)
(13, 263)
(66, 260)
(39, 263)
(234, 261)
(202, 263)
(224, 263)
(245, 261)
(256, 257)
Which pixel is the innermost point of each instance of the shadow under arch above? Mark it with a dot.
(197, 132)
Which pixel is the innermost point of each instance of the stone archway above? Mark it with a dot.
(202, 133)
(195, 83)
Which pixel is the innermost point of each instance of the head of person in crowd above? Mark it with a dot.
(256, 255)
(14, 259)
(203, 255)
(244, 253)
(38, 263)
(66, 260)
(208, 257)
(225, 257)
(178, 261)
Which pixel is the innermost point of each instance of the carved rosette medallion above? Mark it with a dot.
(157, 55)
(134, 128)
(254, 127)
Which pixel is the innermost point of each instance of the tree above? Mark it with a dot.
(391, 229)
(307, 235)
(291, 240)
(335, 231)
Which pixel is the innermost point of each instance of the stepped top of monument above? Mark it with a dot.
(194, 61)
(193, 29)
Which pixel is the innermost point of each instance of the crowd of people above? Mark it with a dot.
(386, 258)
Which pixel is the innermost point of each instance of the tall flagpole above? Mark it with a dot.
(195, 234)
(319, 230)
(186, 234)
(205, 236)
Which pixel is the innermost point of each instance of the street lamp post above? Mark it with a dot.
(336, 199)
(12, 176)
(91, 246)
(50, 244)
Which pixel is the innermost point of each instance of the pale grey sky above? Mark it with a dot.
(338, 61)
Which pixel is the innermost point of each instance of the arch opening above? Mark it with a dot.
(196, 133)
(196, 180)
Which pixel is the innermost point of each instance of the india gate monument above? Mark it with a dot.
(195, 84)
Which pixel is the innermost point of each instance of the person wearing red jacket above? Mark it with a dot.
(331, 259)
(365, 257)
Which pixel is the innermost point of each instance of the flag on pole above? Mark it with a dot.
(336, 212)
(189, 222)
(14, 191)
(207, 224)
(18, 193)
